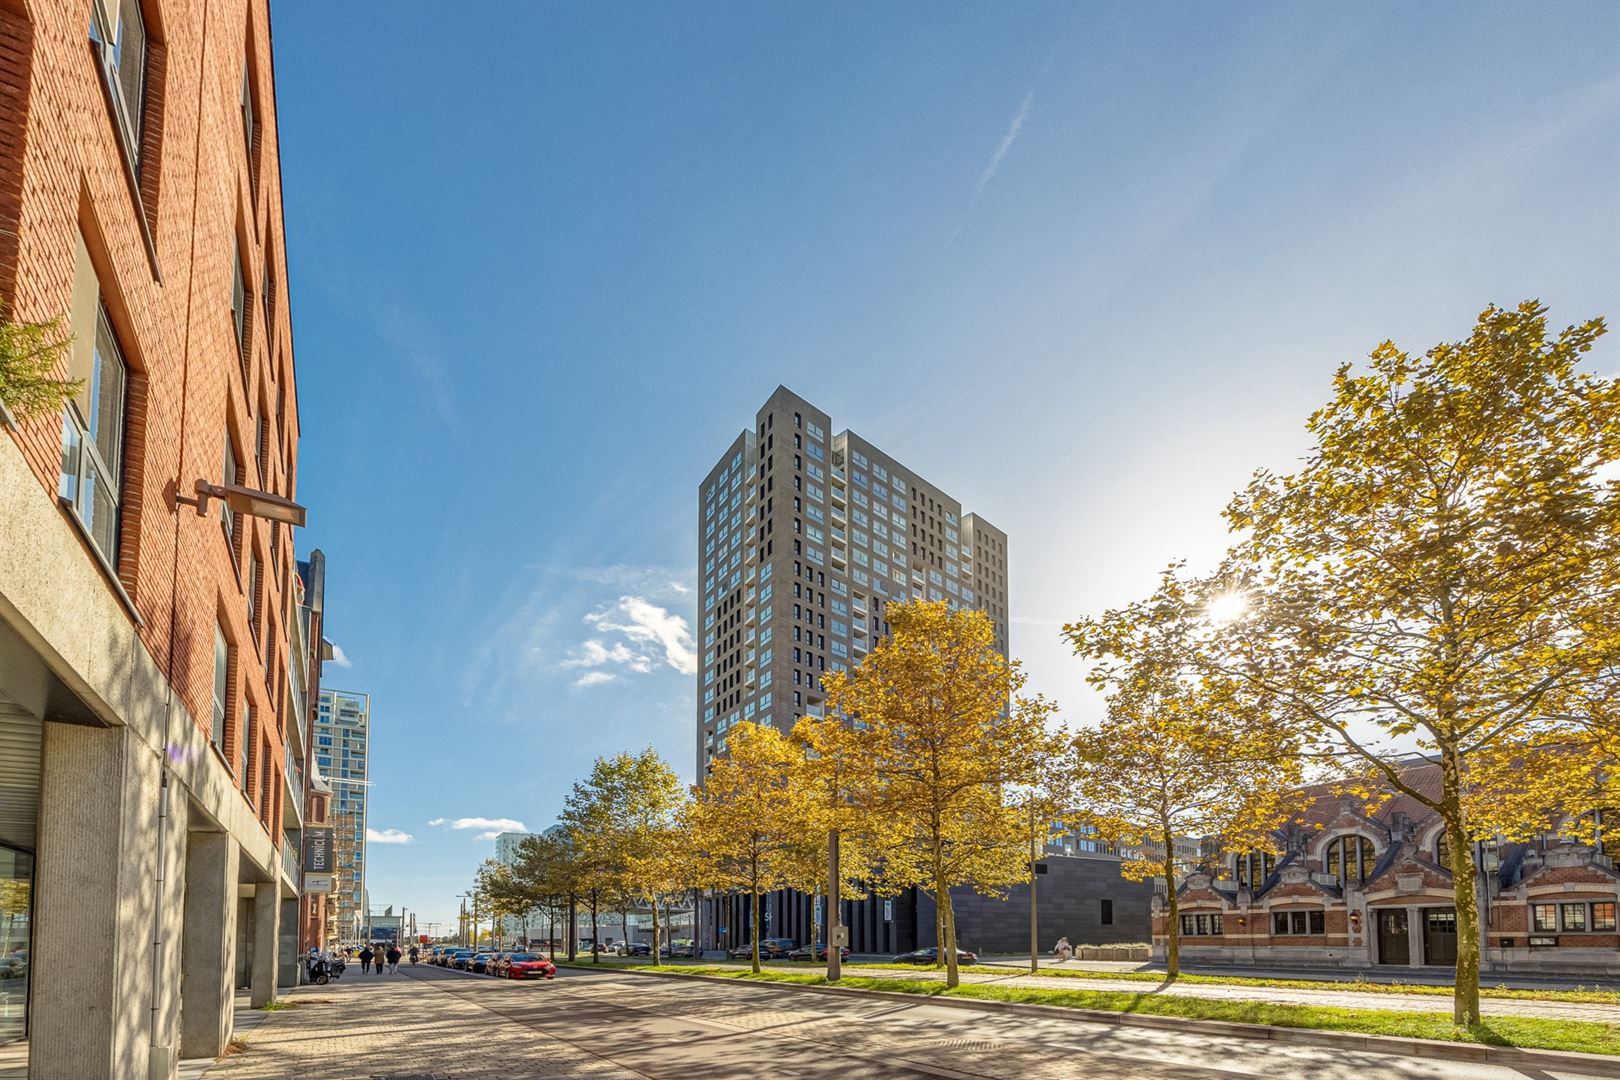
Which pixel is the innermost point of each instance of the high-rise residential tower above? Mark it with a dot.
(804, 536)
(342, 748)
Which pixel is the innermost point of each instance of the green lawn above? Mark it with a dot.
(1579, 1036)
(1579, 997)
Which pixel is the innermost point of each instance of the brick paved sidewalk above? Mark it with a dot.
(358, 1029)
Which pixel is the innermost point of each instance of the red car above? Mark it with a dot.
(530, 966)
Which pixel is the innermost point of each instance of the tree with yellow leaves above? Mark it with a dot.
(944, 732)
(1444, 571)
(748, 823)
(1181, 754)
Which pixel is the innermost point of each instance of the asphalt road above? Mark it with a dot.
(664, 1029)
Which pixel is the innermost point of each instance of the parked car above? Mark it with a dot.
(770, 948)
(528, 966)
(930, 955)
(681, 947)
(803, 952)
(478, 963)
(461, 959)
(632, 948)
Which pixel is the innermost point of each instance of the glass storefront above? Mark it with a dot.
(16, 916)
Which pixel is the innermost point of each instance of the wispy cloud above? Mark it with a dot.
(488, 827)
(651, 627)
(594, 654)
(1007, 140)
(339, 657)
(594, 678)
(388, 836)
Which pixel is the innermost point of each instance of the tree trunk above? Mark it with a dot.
(573, 928)
(1172, 922)
(596, 934)
(952, 975)
(551, 933)
(835, 912)
(753, 920)
(1465, 999)
(624, 925)
(655, 930)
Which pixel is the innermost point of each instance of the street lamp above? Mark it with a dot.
(245, 500)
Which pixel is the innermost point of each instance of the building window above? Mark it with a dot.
(247, 744)
(1254, 867)
(119, 33)
(93, 442)
(1544, 918)
(1107, 913)
(1574, 916)
(1298, 922)
(1351, 859)
(222, 685)
(239, 301)
(1603, 916)
(247, 111)
(228, 473)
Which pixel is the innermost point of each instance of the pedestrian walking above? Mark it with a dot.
(380, 955)
(393, 958)
(1063, 949)
(365, 960)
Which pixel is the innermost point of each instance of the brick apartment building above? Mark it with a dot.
(1352, 889)
(150, 744)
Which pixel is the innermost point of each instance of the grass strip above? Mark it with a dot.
(1359, 986)
(1575, 1036)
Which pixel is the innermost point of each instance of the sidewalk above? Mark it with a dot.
(1344, 999)
(1392, 976)
(362, 1027)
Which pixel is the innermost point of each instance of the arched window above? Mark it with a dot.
(1486, 858)
(1350, 859)
(1442, 850)
(1254, 867)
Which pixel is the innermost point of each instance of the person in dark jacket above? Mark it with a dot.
(365, 960)
(393, 959)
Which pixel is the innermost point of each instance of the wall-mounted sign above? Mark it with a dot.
(317, 884)
(318, 850)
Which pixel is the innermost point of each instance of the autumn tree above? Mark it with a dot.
(1443, 571)
(833, 782)
(597, 865)
(747, 823)
(944, 732)
(643, 799)
(547, 869)
(1182, 754)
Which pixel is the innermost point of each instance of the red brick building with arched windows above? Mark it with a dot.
(1353, 889)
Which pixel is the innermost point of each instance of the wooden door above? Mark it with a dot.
(1440, 936)
(1394, 943)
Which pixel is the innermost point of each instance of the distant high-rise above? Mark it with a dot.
(342, 748)
(803, 538)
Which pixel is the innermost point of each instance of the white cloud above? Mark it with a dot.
(648, 625)
(679, 589)
(595, 678)
(339, 657)
(388, 836)
(594, 654)
(488, 827)
(1000, 155)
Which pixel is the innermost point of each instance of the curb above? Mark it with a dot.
(1504, 1056)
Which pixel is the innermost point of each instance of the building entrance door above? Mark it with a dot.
(1394, 943)
(1440, 936)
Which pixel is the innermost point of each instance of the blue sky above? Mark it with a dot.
(1084, 266)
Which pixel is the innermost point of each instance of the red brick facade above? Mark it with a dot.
(162, 236)
(1353, 889)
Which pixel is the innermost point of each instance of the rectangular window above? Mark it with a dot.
(93, 436)
(222, 685)
(119, 32)
(1279, 922)
(1189, 925)
(247, 744)
(1544, 917)
(228, 472)
(1107, 911)
(247, 111)
(1603, 916)
(239, 301)
(1574, 918)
